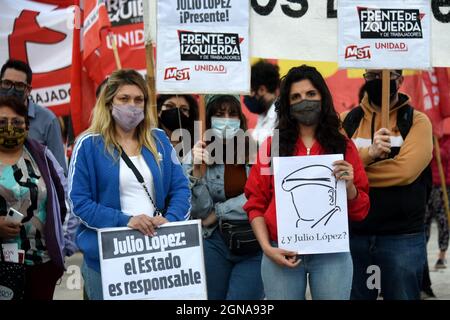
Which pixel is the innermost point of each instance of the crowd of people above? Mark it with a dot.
(122, 173)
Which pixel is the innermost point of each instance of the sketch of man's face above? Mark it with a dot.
(312, 181)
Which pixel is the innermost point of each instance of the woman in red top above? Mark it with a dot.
(307, 125)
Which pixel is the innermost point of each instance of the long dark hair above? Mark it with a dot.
(193, 111)
(192, 102)
(233, 105)
(224, 102)
(327, 131)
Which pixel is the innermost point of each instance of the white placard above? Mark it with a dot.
(440, 34)
(11, 252)
(393, 34)
(308, 30)
(169, 265)
(203, 46)
(311, 205)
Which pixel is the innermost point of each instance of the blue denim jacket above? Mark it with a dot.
(208, 193)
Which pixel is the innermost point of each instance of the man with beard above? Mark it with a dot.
(395, 158)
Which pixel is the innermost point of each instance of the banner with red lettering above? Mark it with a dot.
(203, 47)
(41, 35)
(307, 30)
(384, 34)
(127, 28)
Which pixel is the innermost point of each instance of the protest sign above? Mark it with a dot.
(308, 30)
(203, 46)
(169, 265)
(311, 205)
(384, 34)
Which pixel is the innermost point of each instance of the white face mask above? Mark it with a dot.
(225, 128)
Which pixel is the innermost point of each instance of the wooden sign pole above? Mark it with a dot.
(385, 102)
(202, 119)
(113, 42)
(151, 84)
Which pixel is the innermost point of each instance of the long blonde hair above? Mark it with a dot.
(103, 123)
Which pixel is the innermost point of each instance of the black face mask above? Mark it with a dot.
(12, 92)
(172, 118)
(255, 105)
(307, 112)
(374, 89)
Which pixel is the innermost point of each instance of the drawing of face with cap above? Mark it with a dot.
(311, 180)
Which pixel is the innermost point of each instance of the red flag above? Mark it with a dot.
(82, 86)
(95, 19)
(127, 28)
(75, 83)
(435, 101)
(444, 91)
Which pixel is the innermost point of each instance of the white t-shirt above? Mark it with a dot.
(133, 198)
(265, 125)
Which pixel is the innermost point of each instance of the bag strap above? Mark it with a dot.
(140, 179)
(405, 117)
(352, 120)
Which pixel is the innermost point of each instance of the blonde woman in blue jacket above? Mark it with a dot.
(104, 191)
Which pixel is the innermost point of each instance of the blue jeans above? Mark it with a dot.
(330, 277)
(229, 276)
(92, 282)
(400, 259)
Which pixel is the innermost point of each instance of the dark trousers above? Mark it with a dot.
(40, 281)
(426, 280)
(436, 210)
(399, 258)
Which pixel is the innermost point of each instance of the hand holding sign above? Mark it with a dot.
(283, 257)
(158, 221)
(200, 155)
(344, 171)
(144, 224)
(381, 145)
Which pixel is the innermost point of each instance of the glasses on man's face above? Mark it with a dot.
(369, 76)
(8, 84)
(15, 122)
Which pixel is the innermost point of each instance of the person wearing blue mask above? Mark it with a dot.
(217, 198)
(16, 77)
(265, 84)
